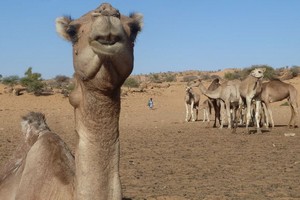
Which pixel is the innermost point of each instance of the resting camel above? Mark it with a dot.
(276, 90)
(42, 167)
(103, 42)
(191, 100)
(249, 89)
(228, 92)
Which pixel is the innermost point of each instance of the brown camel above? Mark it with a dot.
(103, 42)
(276, 90)
(191, 100)
(215, 102)
(228, 92)
(42, 167)
(206, 107)
(250, 89)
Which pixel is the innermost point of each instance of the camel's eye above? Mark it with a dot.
(72, 32)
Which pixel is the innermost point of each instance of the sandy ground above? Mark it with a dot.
(165, 158)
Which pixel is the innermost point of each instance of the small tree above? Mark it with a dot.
(32, 81)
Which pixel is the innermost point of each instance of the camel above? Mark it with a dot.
(276, 90)
(228, 92)
(249, 89)
(215, 102)
(42, 167)
(206, 107)
(191, 100)
(103, 42)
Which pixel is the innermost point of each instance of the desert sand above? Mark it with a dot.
(164, 157)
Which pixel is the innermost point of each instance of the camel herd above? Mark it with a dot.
(251, 93)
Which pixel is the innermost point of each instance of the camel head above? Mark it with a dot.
(103, 42)
(32, 125)
(195, 83)
(188, 89)
(258, 72)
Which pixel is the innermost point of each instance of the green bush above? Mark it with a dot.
(189, 78)
(11, 80)
(169, 78)
(232, 75)
(131, 83)
(295, 70)
(155, 78)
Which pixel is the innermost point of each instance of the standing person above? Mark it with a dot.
(150, 103)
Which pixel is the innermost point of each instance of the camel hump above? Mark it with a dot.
(49, 169)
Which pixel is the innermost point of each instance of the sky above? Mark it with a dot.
(178, 35)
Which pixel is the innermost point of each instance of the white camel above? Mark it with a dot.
(191, 100)
(206, 106)
(250, 88)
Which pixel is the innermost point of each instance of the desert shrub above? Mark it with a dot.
(155, 78)
(10, 80)
(232, 75)
(205, 77)
(32, 82)
(213, 77)
(295, 70)
(169, 78)
(189, 78)
(62, 79)
(131, 83)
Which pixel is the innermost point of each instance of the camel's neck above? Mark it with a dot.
(97, 152)
(254, 83)
(215, 94)
(202, 88)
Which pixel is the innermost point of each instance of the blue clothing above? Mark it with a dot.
(150, 103)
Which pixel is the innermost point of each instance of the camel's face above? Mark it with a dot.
(188, 89)
(258, 72)
(101, 36)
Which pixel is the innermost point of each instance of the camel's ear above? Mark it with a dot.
(135, 25)
(65, 29)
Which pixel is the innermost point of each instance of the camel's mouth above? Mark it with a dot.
(109, 44)
(107, 40)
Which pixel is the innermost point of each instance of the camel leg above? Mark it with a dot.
(271, 117)
(192, 111)
(187, 112)
(257, 115)
(248, 114)
(266, 112)
(207, 116)
(228, 113)
(222, 111)
(197, 111)
(294, 114)
(204, 115)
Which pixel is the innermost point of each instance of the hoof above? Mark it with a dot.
(259, 131)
